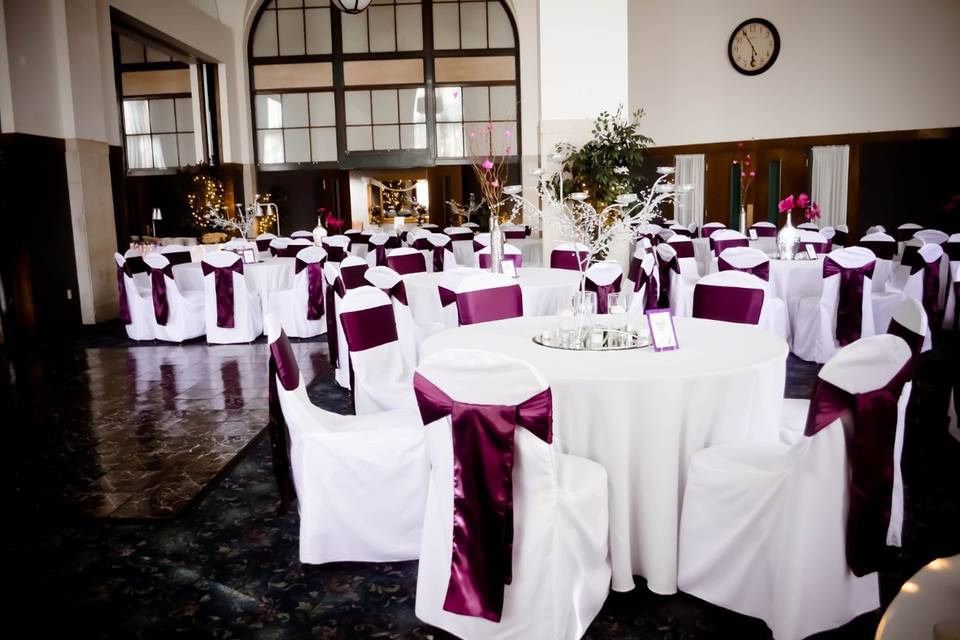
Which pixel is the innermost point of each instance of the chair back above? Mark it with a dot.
(726, 238)
(570, 255)
(405, 260)
(904, 231)
(176, 253)
(351, 273)
(441, 252)
(308, 282)
(910, 323)
(486, 297)
(447, 294)
(337, 247)
(877, 228)
(370, 328)
(680, 230)
(603, 278)
(710, 228)
(459, 233)
(263, 241)
(842, 235)
(167, 301)
(302, 234)
(729, 296)
(765, 229)
(510, 252)
(225, 289)
(278, 247)
(683, 245)
(814, 239)
(514, 232)
(389, 281)
(377, 249)
(295, 247)
(882, 245)
(646, 288)
(932, 236)
(746, 259)
(845, 292)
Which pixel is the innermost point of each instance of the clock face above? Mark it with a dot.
(754, 46)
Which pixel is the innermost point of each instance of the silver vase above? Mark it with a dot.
(788, 239)
(496, 244)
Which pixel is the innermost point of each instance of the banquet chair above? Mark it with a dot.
(828, 232)
(905, 231)
(884, 247)
(390, 282)
(932, 236)
(360, 481)
(358, 242)
(649, 231)
(523, 551)
(473, 226)
(461, 239)
(485, 297)
(447, 294)
(643, 292)
(920, 278)
(278, 247)
(572, 256)
(692, 228)
(766, 236)
(417, 238)
(951, 250)
(640, 251)
(177, 315)
(686, 257)
(406, 260)
(377, 249)
(808, 226)
(710, 228)
(295, 246)
(176, 254)
(877, 228)
(137, 268)
(774, 317)
(841, 236)
(432, 228)
(340, 278)
(263, 241)
(351, 270)
(136, 305)
(301, 308)
(603, 278)
(337, 247)
(729, 296)
(381, 377)
(664, 235)
(510, 253)
(441, 256)
(724, 239)
(815, 239)
(794, 535)
(232, 310)
(302, 234)
(842, 313)
(680, 229)
(676, 293)
(514, 232)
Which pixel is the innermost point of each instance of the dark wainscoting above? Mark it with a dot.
(38, 265)
(895, 176)
(298, 194)
(119, 188)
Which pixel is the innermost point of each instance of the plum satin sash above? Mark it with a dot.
(481, 562)
(332, 343)
(952, 249)
(870, 425)
(902, 235)
(729, 304)
(515, 234)
(135, 264)
(840, 238)
(447, 297)
(397, 292)
(720, 245)
(602, 291)
(158, 286)
(849, 298)
(683, 249)
(380, 251)
(223, 284)
(910, 253)
(706, 232)
(422, 244)
(314, 287)
(456, 236)
(664, 267)
(761, 270)
(407, 263)
(263, 244)
(651, 293)
(438, 253)
(178, 257)
(122, 292)
(282, 365)
(570, 260)
(483, 259)
(335, 253)
(819, 247)
(883, 249)
(368, 328)
(765, 232)
(931, 284)
(636, 264)
(353, 276)
(486, 305)
(914, 340)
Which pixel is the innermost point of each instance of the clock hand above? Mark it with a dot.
(749, 41)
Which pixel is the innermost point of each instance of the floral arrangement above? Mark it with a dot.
(811, 210)
(330, 221)
(376, 214)
(747, 172)
(489, 166)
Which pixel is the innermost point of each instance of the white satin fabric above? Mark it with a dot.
(247, 314)
(140, 303)
(290, 305)
(532, 250)
(361, 481)
(185, 317)
(561, 572)
(764, 524)
(642, 415)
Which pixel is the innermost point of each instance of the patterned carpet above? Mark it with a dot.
(227, 566)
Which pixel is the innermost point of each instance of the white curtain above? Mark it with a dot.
(829, 186)
(689, 206)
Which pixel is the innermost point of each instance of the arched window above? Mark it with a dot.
(403, 83)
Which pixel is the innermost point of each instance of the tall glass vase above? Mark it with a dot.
(788, 239)
(496, 244)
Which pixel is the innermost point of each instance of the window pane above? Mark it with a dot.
(473, 25)
(165, 151)
(475, 140)
(386, 137)
(501, 33)
(413, 136)
(184, 114)
(450, 140)
(162, 119)
(446, 26)
(503, 103)
(156, 56)
(269, 112)
(413, 106)
(288, 4)
(294, 112)
(359, 139)
(139, 152)
(354, 29)
(296, 145)
(317, 3)
(504, 143)
(385, 106)
(319, 40)
(323, 144)
(323, 110)
(131, 51)
(271, 146)
(188, 149)
(357, 107)
(449, 105)
(290, 24)
(136, 116)
(382, 35)
(409, 28)
(265, 37)
(476, 103)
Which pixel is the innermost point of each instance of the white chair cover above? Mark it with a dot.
(139, 304)
(680, 290)
(389, 281)
(774, 317)
(507, 304)
(685, 255)
(710, 228)
(952, 256)
(567, 254)
(879, 228)
(773, 312)
(909, 283)
(767, 242)
(932, 236)
(396, 260)
(884, 248)
(278, 246)
(905, 231)
(508, 250)
(449, 258)
(376, 241)
(247, 312)
(176, 253)
(303, 234)
(809, 226)
(665, 235)
(603, 278)
(559, 566)
(644, 293)
(338, 247)
(185, 318)
(447, 292)
(140, 277)
(809, 236)
(763, 526)
(361, 481)
(462, 240)
(293, 306)
(813, 320)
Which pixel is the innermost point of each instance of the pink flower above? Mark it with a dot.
(803, 200)
(508, 150)
(735, 162)
(487, 164)
(489, 126)
(743, 175)
(753, 173)
(456, 94)
(507, 133)
(747, 161)
(739, 144)
(748, 156)
(495, 183)
(786, 204)
(814, 210)
(473, 134)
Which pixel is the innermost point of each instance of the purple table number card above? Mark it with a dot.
(662, 331)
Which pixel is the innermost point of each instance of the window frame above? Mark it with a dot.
(145, 171)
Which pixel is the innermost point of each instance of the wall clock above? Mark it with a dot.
(754, 46)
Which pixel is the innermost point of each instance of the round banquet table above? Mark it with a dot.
(532, 250)
(271, 274)
(540, 287)
(643, 414)
(792, 279)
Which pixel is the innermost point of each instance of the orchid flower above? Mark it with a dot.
(786, 204)
(803, 200)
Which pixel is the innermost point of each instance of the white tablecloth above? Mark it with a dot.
(541, 288)
(532, 249)
(263, 277)
(792, 279)
(642, 415)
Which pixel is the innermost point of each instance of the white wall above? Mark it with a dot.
(844, 66)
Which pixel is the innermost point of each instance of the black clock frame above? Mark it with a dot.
(776, 46)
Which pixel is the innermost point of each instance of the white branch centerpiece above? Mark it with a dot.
(465, 212)
(243, 222)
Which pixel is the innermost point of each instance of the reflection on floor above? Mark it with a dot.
(228, 566)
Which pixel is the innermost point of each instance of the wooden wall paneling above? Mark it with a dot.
(445, 183)
(299, 193)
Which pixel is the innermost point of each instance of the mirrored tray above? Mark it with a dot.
(600, 339)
